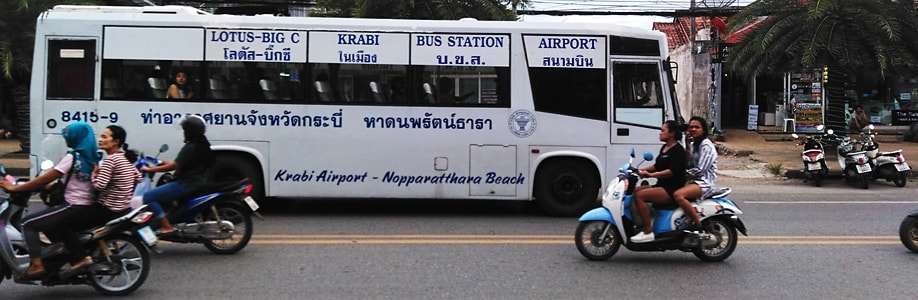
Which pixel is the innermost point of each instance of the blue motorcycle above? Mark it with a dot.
(218, 215)
(601, 230)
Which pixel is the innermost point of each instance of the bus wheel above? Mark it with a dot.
(566, 187)
(230, 167)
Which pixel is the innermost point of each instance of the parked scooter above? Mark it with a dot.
(118, 248)
(908, 231)
(218, 215)
(601, 230)
(814, 157)
(887, 165)
(855, 165)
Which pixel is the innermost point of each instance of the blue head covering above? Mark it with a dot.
(82, 141)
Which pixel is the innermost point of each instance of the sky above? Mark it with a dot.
(631, 5)
(645, 22)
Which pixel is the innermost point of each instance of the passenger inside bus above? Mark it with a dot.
(398, 91)
(374, 92)
(446, 91)
(323, 88)
(268, 89)
(181, 88)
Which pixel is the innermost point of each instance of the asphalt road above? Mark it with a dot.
(805, 242)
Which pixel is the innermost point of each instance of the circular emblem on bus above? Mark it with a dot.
(522, 123)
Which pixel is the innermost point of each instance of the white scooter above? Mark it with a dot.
(887, 165)
(814, 157)
(855, 165)
(603, 230)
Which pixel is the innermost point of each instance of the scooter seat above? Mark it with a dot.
(722, 192)
(668, 206)
(891, 153)
(126, 215)
(216, 187)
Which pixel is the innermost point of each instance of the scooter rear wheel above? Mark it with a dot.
(129, 265)
(900, 179)
(592, 244)
(242, 229)
(726, 237)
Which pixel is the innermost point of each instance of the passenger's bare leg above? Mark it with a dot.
(682, 195)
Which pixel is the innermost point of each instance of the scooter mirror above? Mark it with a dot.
(163, 148)
(794, 135)
(632, 152)
(47, 164)
(871, 127)
(820, 127)
(648, 156)
(830, 131)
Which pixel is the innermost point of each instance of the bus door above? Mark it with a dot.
(638, 105)
(70, 70)
(496, 165)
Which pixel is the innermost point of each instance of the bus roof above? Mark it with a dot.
(173, 15)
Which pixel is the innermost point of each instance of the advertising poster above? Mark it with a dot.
(806, 92)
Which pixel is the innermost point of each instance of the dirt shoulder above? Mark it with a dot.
(744, 149)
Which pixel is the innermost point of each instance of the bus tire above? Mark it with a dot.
(234, 166)
(566, 187)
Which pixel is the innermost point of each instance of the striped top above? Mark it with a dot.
(115, 182)
(703, 166)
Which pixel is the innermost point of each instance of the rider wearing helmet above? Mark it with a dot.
(192, 164)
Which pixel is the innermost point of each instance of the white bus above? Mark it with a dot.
(363, 108)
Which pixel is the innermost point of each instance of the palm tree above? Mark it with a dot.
(421, 9)
(876, 38)
(17, 39)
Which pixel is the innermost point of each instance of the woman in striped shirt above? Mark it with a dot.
(702, 168)
(116, 176)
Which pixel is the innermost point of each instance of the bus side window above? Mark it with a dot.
(157, 87)
(375, 92)
(112, 89)
(428, 93)
(636, 85)
(323, 90)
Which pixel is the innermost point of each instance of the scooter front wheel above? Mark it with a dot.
(593, 244)
(908, 233)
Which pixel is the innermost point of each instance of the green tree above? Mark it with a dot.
(17, 40)
(420, 9)
(876, 38)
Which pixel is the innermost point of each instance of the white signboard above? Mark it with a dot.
(255, 45)
(566, 51)
(359, 48)
(753, 123)
(460, 50)
(166, 43)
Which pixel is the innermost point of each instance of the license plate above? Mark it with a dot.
(813, 166)
(863, 168)
(902, 167)
(251, 202)
(147, 235)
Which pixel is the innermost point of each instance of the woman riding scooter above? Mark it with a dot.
(193, 163)
(669, 169)
(78, 166)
